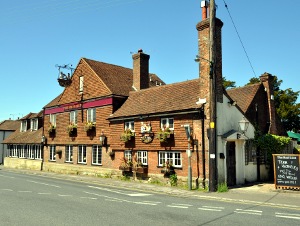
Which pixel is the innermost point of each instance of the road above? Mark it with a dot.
(28, 199)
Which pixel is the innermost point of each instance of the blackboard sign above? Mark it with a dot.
(286, 170)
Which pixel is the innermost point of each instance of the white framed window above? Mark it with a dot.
(128, 155)
(97, 155)
(82, 154)
(23, 151)
(14, 151)
(81, 84)
(31, 150)
(52, 153)
(172, 157)
(73, 117)
(23, 126)
(91, 115)
(38, 152)
(167, 123)
(53, 119)
(69, 153)
(142, 157)
(34, 124)
(129, 125)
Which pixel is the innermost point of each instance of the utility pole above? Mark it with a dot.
(213, 107)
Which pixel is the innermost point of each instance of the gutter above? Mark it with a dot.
(153, 115)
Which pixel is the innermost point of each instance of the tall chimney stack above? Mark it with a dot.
(204, 7)
(140, 70)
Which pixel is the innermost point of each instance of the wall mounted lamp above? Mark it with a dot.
(244, 123)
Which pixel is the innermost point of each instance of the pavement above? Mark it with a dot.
(256, 193)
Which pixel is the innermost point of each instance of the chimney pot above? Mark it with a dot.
(204, 9)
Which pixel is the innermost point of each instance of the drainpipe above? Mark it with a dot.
(203, 148)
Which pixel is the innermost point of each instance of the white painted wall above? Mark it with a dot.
(228, 117)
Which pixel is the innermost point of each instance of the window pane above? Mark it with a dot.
(97, 155)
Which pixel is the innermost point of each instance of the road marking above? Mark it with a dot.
(41, 193)
(211, 208)
(25, 191)
(120, 192)
(288, 215)
(181, 207)
(6, 176)
(252, 212)
(6, 189)
(51, 185)
(146, 203)
(64, 195)
(88, 198)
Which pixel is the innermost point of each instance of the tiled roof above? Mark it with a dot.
(168, 98)
(118, 79)
(28, 137)
(54, 102)
(33, 115)
(244, 95)
(10, 125)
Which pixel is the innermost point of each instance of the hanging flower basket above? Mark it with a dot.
(164, 134)
(126, 165)
(126, 135)
(72, 128)
(51, 128)
(89, 126)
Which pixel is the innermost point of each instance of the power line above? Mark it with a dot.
(239, 38)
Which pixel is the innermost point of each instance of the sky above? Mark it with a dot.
(37, 35)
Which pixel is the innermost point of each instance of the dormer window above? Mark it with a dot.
(34, 124)
(81, 84)
(167, 123)
(23, 126)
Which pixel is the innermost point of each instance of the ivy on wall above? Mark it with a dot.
(271, 144)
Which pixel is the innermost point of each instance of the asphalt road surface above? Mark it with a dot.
(42, 200)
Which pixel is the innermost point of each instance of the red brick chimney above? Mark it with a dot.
(267, 80)
(140, 70)
(204, 56)
(204, 6)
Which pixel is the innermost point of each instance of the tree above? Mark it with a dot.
(286, 107)
(253, 81)
(228, 84)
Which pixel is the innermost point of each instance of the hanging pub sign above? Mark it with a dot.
(286, 171)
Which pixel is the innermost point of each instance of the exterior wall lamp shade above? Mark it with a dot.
(43, 140)
(244, 123)
(102, 139)
(187, 131)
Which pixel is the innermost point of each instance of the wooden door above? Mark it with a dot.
(231, 163)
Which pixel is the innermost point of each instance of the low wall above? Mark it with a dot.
(80, 170)
(17, 163)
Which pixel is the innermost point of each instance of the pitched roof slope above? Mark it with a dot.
(167, 98)
(28, 137)
(118, 79)
(10, 125)
(243, 95)
(54, 102)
